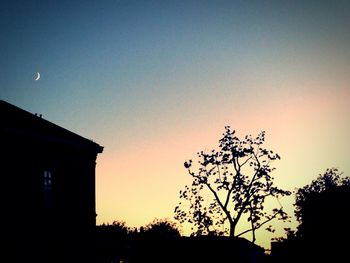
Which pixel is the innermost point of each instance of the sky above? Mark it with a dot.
(154, 82)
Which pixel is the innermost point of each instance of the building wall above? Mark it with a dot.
(46, 227)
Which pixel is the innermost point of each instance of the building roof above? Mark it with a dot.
(18, 122)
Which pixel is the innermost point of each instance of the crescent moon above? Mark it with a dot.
(37, 76)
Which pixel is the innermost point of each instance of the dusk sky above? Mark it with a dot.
(154, 82)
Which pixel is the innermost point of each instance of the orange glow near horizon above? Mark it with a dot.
(141, 181)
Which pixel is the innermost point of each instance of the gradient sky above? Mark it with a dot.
(156, 81)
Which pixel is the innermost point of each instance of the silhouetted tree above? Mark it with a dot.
(322, 202)
(238, 178)
(112, 241)
(162, 228)
(322, 209)
(119, 228)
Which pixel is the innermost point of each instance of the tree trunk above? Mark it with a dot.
(232, 229)
(253, 233)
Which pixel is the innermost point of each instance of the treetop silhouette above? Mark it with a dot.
(322, 203)
(238, 178)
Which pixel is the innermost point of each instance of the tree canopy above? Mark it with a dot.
(321, 201)
(322, 210)
(162, 228)
(230, 185)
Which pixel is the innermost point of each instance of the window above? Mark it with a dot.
(47, 181)
(47, 187)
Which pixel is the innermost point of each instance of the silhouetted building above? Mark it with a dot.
(47, 189)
